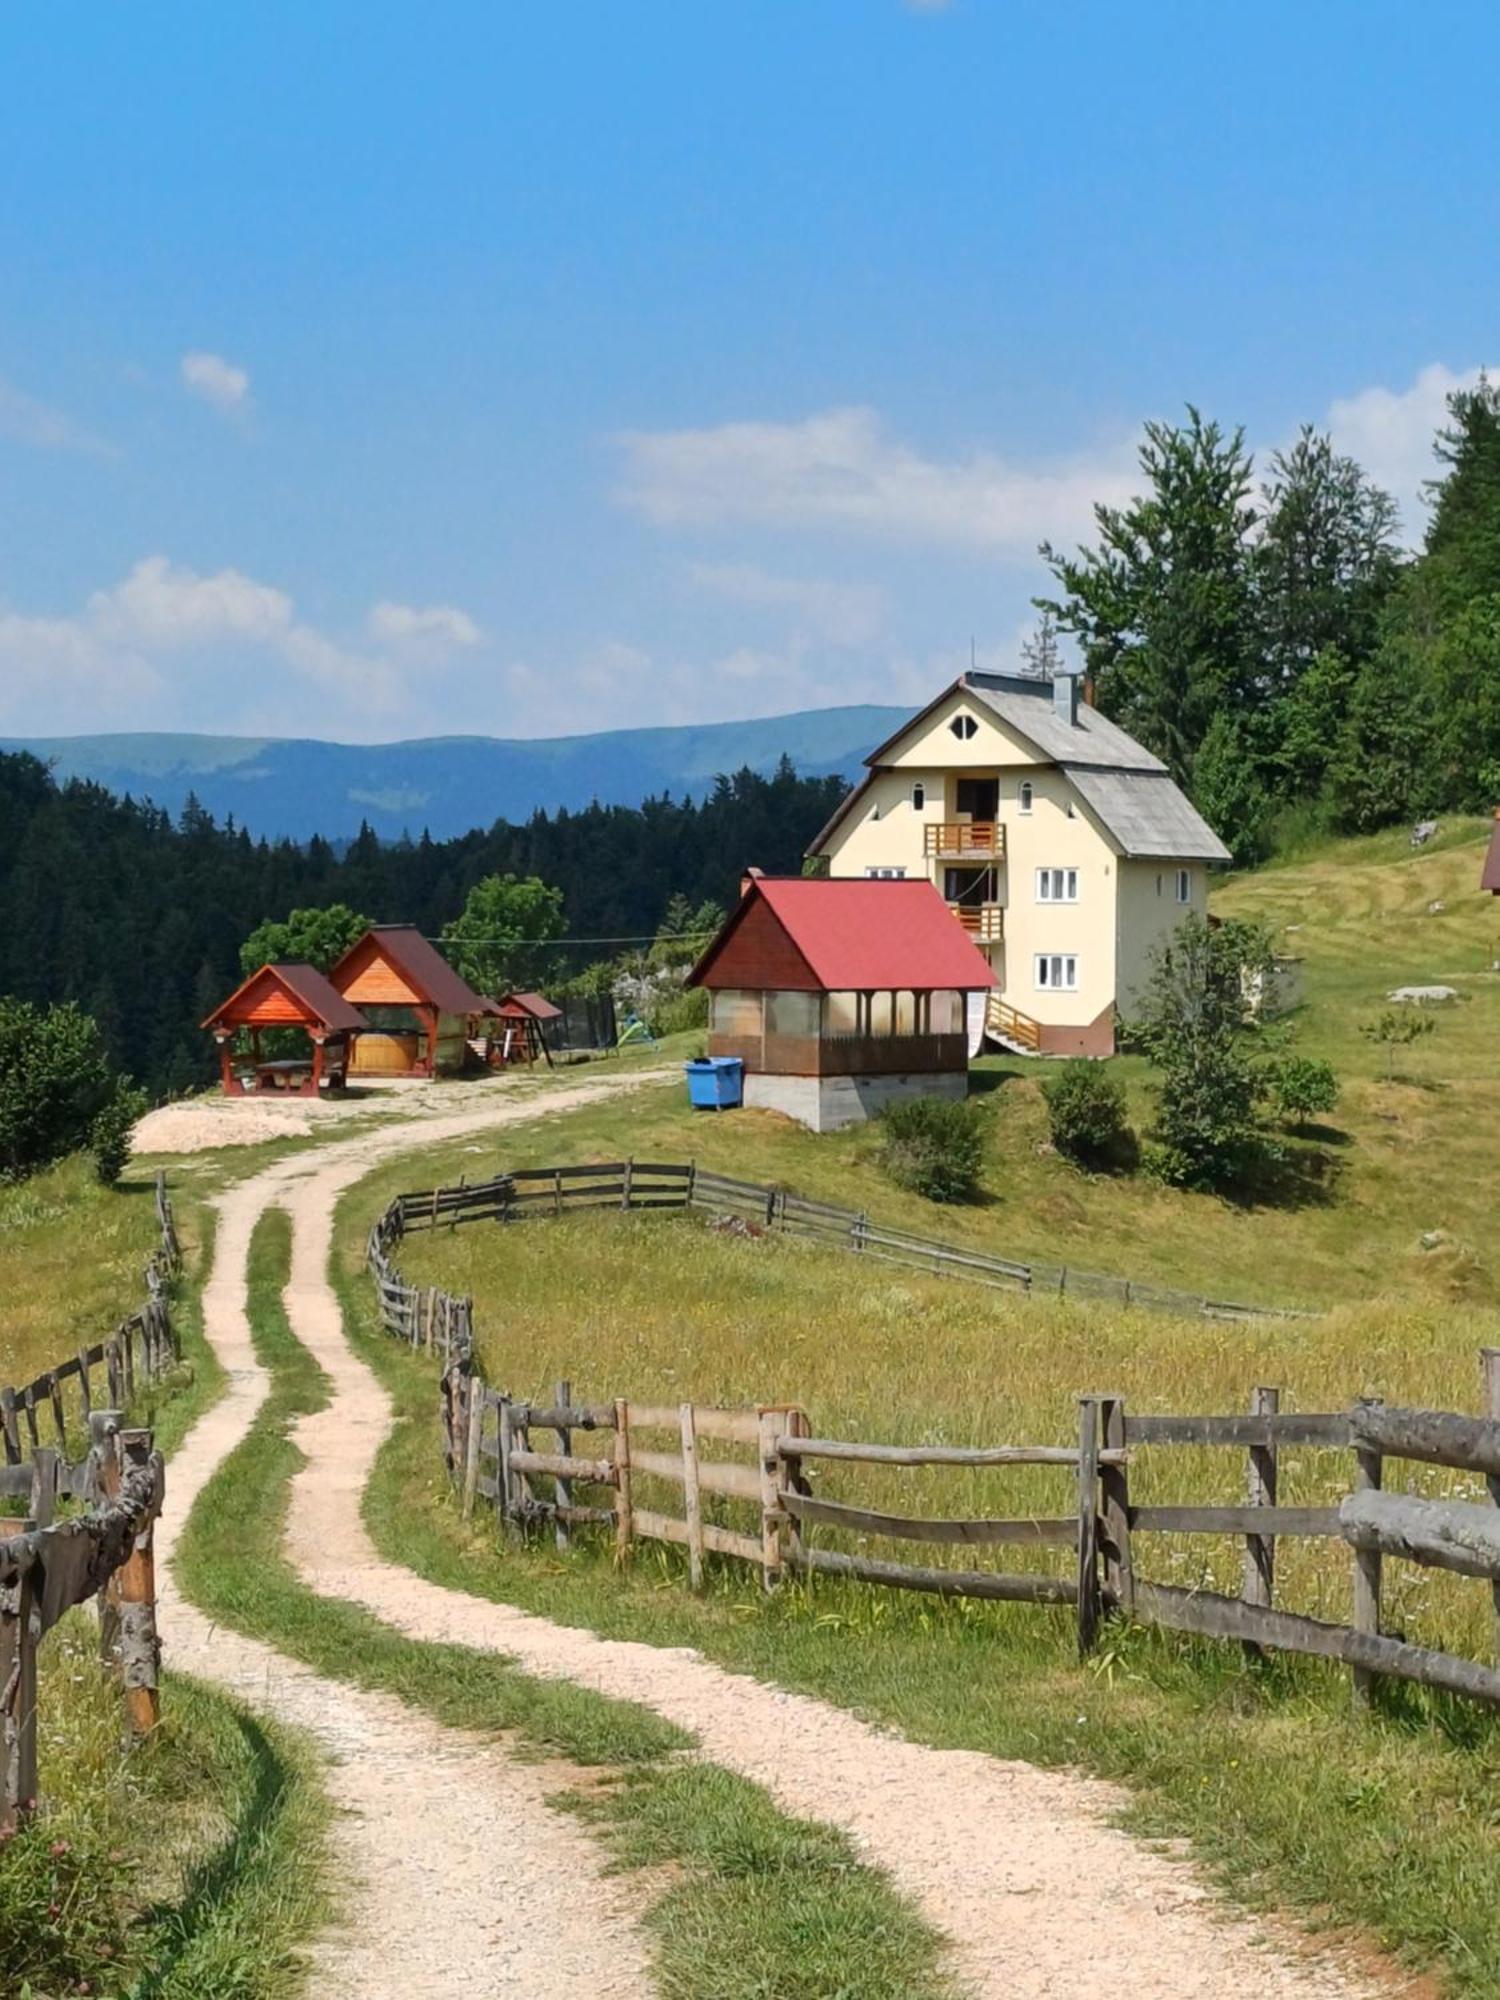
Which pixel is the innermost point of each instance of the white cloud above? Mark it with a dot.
(214, 380)
(426, 629)
(841, 469)
(23, 420)
(1390, 432)
(845, 614)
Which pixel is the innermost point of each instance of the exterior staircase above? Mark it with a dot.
(1011, 1028)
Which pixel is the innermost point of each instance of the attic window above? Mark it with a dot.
(918, 796)
(1026, 798)
(963, 727)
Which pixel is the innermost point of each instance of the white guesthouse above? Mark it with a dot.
(1060, 844)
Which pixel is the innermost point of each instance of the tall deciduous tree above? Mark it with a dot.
(317, 937)
(1162, 605)
(502, 915)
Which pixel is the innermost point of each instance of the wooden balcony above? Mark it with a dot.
(963, 839)
(984, 922)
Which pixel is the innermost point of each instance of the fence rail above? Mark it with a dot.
(761, 1507)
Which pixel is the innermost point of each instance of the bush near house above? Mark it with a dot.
(1086, 1111)
(1302, 1087)
(934, 1147)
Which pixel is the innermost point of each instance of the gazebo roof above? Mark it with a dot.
(289, 995)
(420, 964)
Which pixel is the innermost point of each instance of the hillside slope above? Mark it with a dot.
(448, 784)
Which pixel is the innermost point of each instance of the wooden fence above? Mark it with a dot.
(528, 1191)
(746, 1483)
(140, 1350)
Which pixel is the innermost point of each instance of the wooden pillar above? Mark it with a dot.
(19, 1623)
(140, 1650)
(226, 1064)
(1114, 1491)
(1260, 1491)
(1088, 1523)
(624, 1512)
(431, 1015)
(1367, 1573)
(317, 1064)
(692, 1502)
(772, 1516)
(563, 1395)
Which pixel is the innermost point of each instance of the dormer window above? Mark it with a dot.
(963, 727)
(1026, 798)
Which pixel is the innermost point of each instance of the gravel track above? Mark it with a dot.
(1019, 1867)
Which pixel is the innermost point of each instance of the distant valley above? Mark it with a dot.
(298, 786)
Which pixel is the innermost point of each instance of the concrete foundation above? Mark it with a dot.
(829, 1103)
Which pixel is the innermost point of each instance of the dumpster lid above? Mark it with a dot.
(714, 1062)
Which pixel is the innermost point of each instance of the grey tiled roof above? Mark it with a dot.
(1147, 815)
(1026, 705)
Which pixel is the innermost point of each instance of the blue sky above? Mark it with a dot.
(369, 372)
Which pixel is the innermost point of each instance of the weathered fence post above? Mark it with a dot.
(140, 1650)
(473, 1433)
(11, 1427)
(84, 1386)
(627, 1179)
(1260, 1491)
(104, 1484)
(692, 1501)
(18, 1644)
(1088, 1523)
(1114, 1489)
(1489, 1362)
(43, 1485)
(790, 1473)
(563, 1396)
(624, 1512)
(772, 1517)
(1367, 1565)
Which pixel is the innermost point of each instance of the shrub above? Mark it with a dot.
(934, 1147)
(1302, 1087)
(55, 1080)
(109, 1136)
(1086, 1111)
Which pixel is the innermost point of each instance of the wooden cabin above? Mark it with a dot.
(520, 1033)
(291, 996)
(419, 1013)
(842, 996)
(1490, 879)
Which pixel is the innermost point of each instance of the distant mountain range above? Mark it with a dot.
(297, 786)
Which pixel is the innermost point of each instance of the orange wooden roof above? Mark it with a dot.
(421, 965)
(287, 995)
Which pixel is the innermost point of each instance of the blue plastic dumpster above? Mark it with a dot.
(715, 1083)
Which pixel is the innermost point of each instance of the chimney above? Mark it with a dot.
(1065, 698)
(1088, 690)
(750, 875)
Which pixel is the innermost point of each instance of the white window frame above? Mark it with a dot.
(1057, 885)
(1183, 887)
(919, 796)
(885, 874)
(1064, 963)
(1024, 797)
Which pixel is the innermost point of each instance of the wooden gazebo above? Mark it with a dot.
(421, 1012)
(285, 996)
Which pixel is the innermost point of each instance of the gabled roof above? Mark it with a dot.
(860, 936)
(1129, 790)
(315, 996)
(534, 1004)
(1490, 879)
(422, 966)
(1147, 816)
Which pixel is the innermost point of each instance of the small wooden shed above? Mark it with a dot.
(419, 1013)
(1490, 879)
(284, 996)
(522, 1029)
(841, 996)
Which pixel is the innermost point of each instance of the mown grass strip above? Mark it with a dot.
(763, 1905)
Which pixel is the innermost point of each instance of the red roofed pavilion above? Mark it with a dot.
(841, 996)
(284, 996)
(1491, 877)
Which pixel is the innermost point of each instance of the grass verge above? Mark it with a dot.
(1387, 1829)
(762, 1904)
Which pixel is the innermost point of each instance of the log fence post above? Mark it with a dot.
(627, 1179)
(692, 1503)
(44, 1468)
(11, 1428)
(1489, 1361)
(562, 1395)
(624, 1511)
(1114, 1489)
(140, 1649)
(1088, 1523)
(772, 1514)
(19, 1635)
(104, 1481)
(85, 1391)
(473, 1434)
(1368, 1475)
(1261, 1486)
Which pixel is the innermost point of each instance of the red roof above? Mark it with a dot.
(851, 935)
(422, 966)
(516, 1004)
(1490, 879)
(318, 1000)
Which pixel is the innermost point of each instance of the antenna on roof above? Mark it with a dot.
(972, 661)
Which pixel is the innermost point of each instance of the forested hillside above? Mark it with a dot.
(140, 918)
(1274, 644)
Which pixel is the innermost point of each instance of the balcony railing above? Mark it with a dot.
(953, 840)
(984, 922)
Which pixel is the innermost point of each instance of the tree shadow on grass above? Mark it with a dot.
(1286, 1176)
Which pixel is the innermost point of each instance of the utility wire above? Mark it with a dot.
(646, 937)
